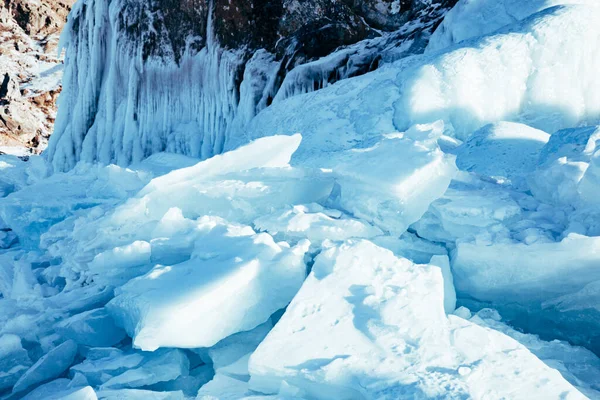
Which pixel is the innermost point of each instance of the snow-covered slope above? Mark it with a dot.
(425, 230)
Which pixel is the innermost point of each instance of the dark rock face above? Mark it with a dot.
(166, 28)
(252, 23)
(9, 89)
(307, 29)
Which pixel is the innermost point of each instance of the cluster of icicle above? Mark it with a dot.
(118, 108)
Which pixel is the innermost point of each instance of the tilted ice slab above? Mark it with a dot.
(369, 325)
(526, 273)
(139, 394)
(61, 389)
(372, 183)
(157, 367)
(48, 367)
(233, 282)
(14, 360)
(157, 227)
(91, 328)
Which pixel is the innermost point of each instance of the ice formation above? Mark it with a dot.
(345, 336)
(428, 229)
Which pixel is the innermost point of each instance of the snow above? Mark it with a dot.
(326, 246)
(473, 18)
(314, 222)
(345, 335)
(578, 365)
(514, 148)
(223, 289)
(562, 165)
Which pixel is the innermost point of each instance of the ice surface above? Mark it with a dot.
(61, 389)
(562, 165)
(139, 394)
(50, 366)
(14, 360)
(223, 289)
(442, 159)
(502, 150)
(91, 328)
(315, 223)
(223, 387)
(102, 364)
(369, 325)
(159, 367)
(578, 365)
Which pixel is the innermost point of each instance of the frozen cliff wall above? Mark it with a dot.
(186, 76)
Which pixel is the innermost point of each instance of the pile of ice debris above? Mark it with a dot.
(431, 233)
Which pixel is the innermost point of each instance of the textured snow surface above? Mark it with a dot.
(345, 336)
(474, 18)
(426, 230)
